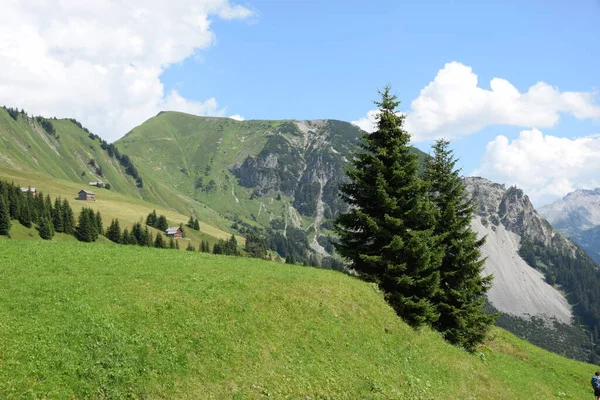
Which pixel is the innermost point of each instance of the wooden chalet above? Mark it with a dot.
(174, 232)
(86, 195)
(28, 189)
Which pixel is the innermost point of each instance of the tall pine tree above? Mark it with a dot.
(4, 216)
(113, 232)
(463, 320)
(388, 234)
(57, 216)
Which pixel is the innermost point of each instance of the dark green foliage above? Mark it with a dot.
(127, 237)
(46, 125)
(294, 244)
(99, 224)
(161, 223)
(204, 246)
(190, 247)
(388, 234)
(68, 217)
(192, 223)
(57, 216)
(171, 243)
(226, 247)
(4, 216)
(256, 246)
(25, 213)
(45, 228)
(177, 244)
(15, 199)
(578, 276)
(139, 235)
(159, 242)
(148, 236)
(182, 231)
(460, 302)
(567, 340)
(107, 186)
(113, 232)
(87, 226)
(152, 219)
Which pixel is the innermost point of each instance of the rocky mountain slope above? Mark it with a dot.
(506, 216)
(277, 175)
(577, 215)
(526, 255)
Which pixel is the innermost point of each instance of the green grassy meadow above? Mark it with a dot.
(112, 205)
(82, 321)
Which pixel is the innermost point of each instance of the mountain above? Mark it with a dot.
(279, 176)
(528, 259)
(577, 215)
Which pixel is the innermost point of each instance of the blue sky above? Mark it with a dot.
(114, 65)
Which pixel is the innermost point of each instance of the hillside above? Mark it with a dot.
(64, 149)
(543, 283)
(577, 215)
(81, 321)
(280, 175)
(113, 205)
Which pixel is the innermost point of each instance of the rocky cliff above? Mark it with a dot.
(505, 217)
(577, 215)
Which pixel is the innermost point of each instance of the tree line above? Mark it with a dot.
(408, 230)
(45, 123)
(48, 216)
(578, 276)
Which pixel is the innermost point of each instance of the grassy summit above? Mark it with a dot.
(109, 321)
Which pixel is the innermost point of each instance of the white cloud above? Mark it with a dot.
(237, 117)
(367, 123)
(545, 167)
(453, 105)
(100, 61)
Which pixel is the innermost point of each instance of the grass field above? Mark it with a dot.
(109, 321)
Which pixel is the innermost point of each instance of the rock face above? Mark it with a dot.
(304, 160)
(506, 216)
(577, 215)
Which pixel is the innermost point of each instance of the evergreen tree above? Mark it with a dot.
(68, 218)
(87, 230)
(127, 238)
(196, 225)
(255, 246)
(4, 216)
(48, 208)
(190, 247)
(138, 234)
(57, 216)
(45, 229)
(159, 242)
(148, 236)
(25, 214)
(204, 246)
(113, 232)
(151, 219)
(177, 244)
(463, 320)
(182, 231)
(15, 198)
(190, 223)
(99, 225)
(231, 248)
(171, 243)
(161, 223)
(388, 233)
